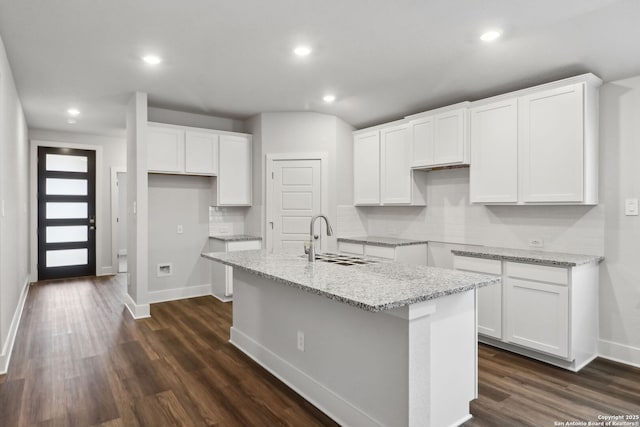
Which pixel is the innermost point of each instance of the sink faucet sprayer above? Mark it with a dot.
(314, 237)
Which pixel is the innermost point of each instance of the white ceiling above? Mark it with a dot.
(232, 58)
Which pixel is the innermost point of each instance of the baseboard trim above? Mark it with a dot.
(137, 311)
(179, 293)
(223, 298)
(333, 405)
(5, 357)
(621, 353)
(107, 271)
(462, 420)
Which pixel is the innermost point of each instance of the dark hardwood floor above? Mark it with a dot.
(81, 360)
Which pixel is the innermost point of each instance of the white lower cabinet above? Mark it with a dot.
(222, 275)
(411, 254)
(538, 315)
(549, 313)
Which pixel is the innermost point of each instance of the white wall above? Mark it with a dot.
(173, 201)
(162, 115)
(620, 179)
(137, 208)
(14, 195)
(301, 132)
(114, 155)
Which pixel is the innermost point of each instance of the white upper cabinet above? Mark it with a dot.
(538, 145)
(494, 150)
(551, 125)
(382, 172)
(201, 153)
(234, 176)
(184, 150)
(366, 168)
(395, 171)
(165, 149)
(440, 137)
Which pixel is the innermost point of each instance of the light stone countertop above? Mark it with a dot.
(382, 241)
(527, 256)
(372, 287)
(235, 237)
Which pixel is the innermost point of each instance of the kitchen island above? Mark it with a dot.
(378, 344)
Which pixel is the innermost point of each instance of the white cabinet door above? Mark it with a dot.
(551, 145)
(489, 297)
(494, 153)
(395, 172)
(449, 137)
(422, 134)
(234, 175)
(165, 149)
(538, 315)
(351, 248)
(201, 153)
(366, 168)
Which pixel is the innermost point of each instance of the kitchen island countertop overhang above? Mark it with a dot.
(378, 286)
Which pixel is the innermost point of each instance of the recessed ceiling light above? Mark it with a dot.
(152, 59)
(490, 36)
(329, 98)
(73, 112)
(302, 50)
(72, 121)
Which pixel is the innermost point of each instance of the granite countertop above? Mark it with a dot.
(530, 257)
(373, 287)
(382, 241)
(235, 237)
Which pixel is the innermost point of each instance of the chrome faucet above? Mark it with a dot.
(313, 238)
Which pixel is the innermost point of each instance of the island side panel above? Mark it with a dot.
(354, 363)
(412, 366)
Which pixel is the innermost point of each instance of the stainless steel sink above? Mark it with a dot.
(343, 259)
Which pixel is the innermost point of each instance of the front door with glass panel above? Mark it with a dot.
(66, 213)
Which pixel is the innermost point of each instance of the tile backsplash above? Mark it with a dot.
(226, 220)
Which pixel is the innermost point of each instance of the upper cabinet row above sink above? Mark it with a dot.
(534, 146)
(181, 150)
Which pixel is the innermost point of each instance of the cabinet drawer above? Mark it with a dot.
(380, 251)
(244, 245)
(351, 248)
(539, 273)
(478, 265)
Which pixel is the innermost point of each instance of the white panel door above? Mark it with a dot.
(165, 149)
(422, 133)
(296, 198)
(538, 315)
(551, 145)
(234, 175)
(395, 173)
(449, 137)
(366, 168)
(201, 153)
(494, 153)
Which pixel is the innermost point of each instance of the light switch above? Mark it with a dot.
(180, 229)
(631, 207)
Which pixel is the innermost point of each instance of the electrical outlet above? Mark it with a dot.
(536, 242)
(179, 229)
(631, 207)
(224, 229)
(300, 340)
